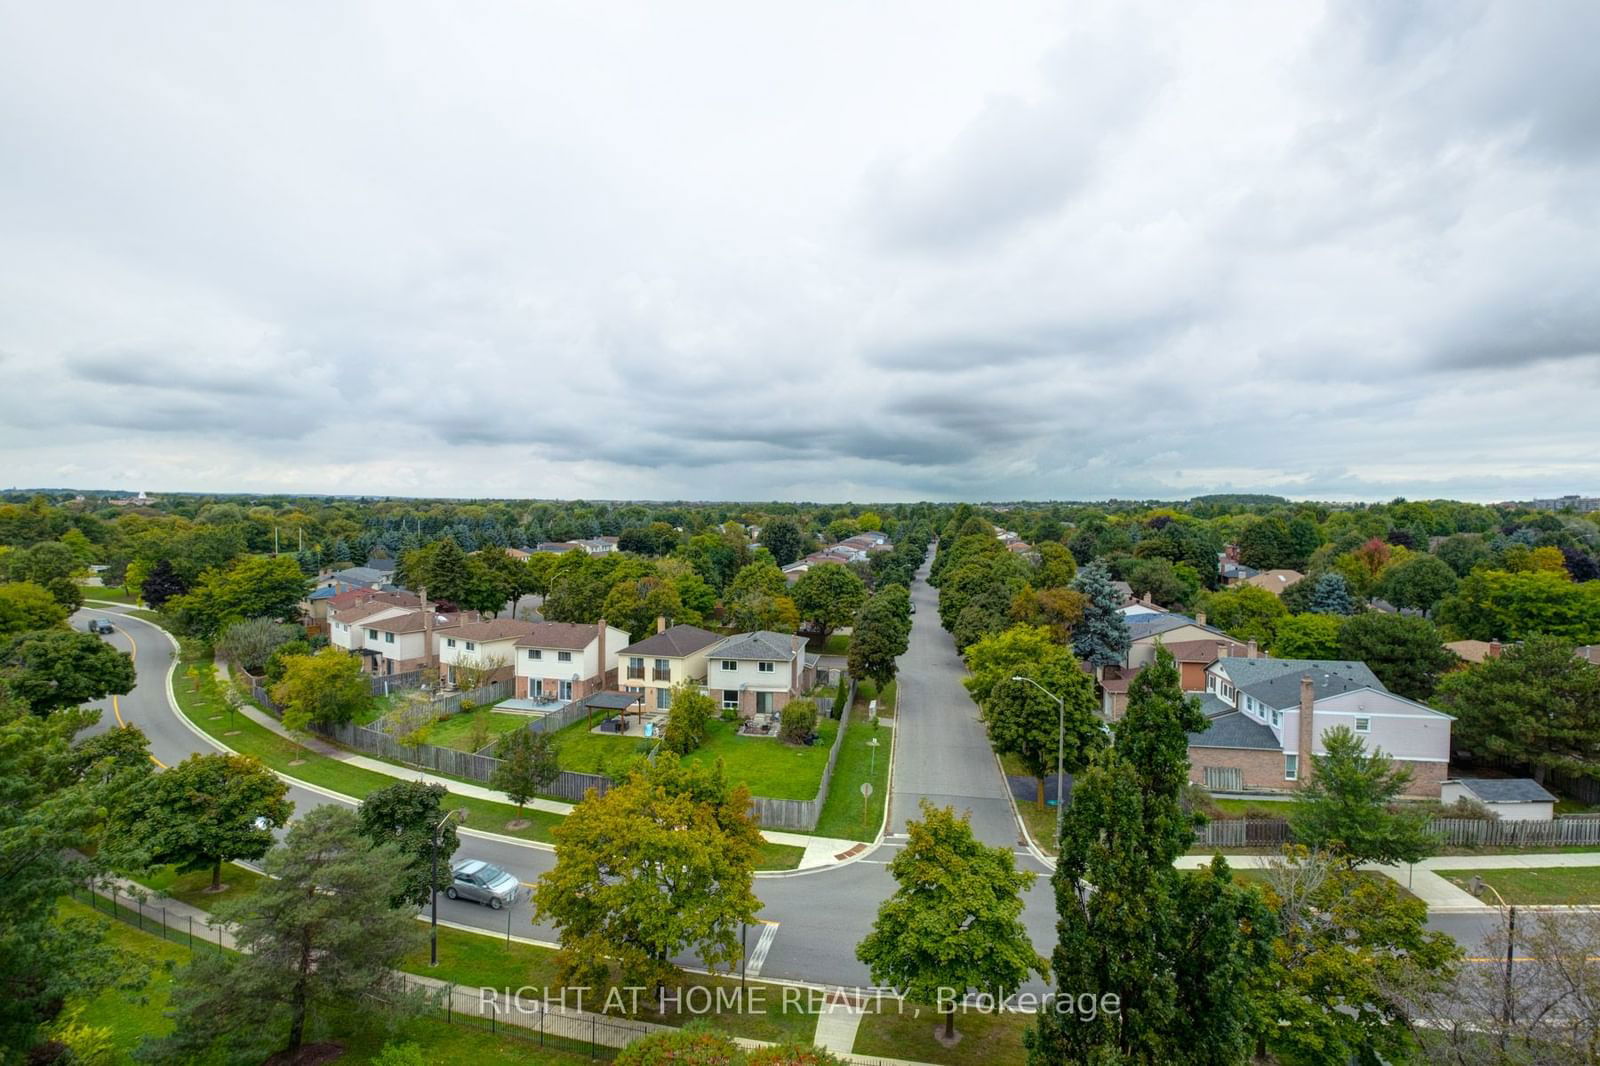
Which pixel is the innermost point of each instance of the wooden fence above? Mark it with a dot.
(803, 814)
(1568, 829)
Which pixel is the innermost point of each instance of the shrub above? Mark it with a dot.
(794, 1055)
(799, 723)
(841, 696)
(284, 652)
(687, 1047)
(686, 721)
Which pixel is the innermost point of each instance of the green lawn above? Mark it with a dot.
(457, 730)
(842, 813)
(867, 691)
(779, 856)
(836, 644)
(766, 764)
(1250, 808)
(101, 592)
(906, 1031)
(132, 1014)
(1041, 823)
(206, 709)
(480, 961)
(1571, 885)
(585, 752)
(193, 887)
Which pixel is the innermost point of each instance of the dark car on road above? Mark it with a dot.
(99, 625)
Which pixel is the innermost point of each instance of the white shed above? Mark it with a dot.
(1514, 799)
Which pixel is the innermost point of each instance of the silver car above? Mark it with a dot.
(482, 882)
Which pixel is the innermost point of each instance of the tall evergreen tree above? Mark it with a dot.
(1331, 595)
(1173, 947)
(1101, 638)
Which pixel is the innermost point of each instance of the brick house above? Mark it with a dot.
(760, 672)
(480, 645)
(1266, 715)
(566, 660)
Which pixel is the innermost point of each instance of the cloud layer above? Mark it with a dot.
(723, 251)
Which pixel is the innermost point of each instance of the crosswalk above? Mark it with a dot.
(758, 956)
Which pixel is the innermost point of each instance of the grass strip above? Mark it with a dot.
(844, 814)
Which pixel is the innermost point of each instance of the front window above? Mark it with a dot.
(636, 668)
(663, 670)
(730, 699)
(372, 634)
(1363, 725)
(535, 654)
(388, 638)
(449, 642)
(1291, 767)
(663, 699)
(765, 668)
(730, 664)
(470, 646)
(563, 656)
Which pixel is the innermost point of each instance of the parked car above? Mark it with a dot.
(99, 625)
(482, 882)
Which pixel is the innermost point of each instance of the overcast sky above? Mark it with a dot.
(886, 251)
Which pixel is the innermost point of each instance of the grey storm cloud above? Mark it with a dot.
(1132, 249)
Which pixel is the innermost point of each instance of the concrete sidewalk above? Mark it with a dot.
(819, 851)
(1421, 880)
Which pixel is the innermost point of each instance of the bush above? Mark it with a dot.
(799, 723)
(841, 696)
(692, 1046)
(686, 721)
(793, 1055)
(284, 652)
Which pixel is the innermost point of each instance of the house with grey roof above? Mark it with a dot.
(758, 673)
(1265, 719)
(1513, 799)
(670, 656)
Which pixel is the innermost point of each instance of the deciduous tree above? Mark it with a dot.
(25, 607)
(1418, 581)
(250, 643)
(406, 815)
(1348, 805)
(208, 810)
(954, 921)
(325, 689)
(691, 712)
(783, 539)
(1245, 613)
(828, 596)
(660, 864)
(880, 634)
(62, 668)
(1307, 636)
(528, 765)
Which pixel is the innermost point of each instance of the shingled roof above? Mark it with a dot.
(1276, 682)
(675, 642)
(1235, 730)
(565, 636)
(762, 644)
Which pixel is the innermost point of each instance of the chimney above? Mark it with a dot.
(661, 623)
(1308, 701)
(1146, 600)
(428, 656)
(1494, 649)
(1200, 616)
(1222, 651)
(1250, 649)
(600, 635)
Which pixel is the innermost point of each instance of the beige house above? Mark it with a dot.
(398, 644)
(480, 646)
(1146, 632)
(650, 668)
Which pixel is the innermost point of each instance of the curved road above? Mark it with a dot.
(816, 918)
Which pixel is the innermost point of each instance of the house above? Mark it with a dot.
(347, 610)
(1193, 657)
(400, 643)
(357, 577)
(481, 646)
(1146, 631)
(1265, 717)
(1275, 581)
(1475, 651)
(1233, 572)
(597, 545)
(567, 660)
(760, 672)
(1141, 608)
(1590, 653)
(671, 656)
(1514, 799)
(557, 547)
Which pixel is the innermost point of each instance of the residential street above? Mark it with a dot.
(821, 915)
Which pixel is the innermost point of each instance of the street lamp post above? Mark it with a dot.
(433, 887)
(1061, 745)
(1477, 886)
